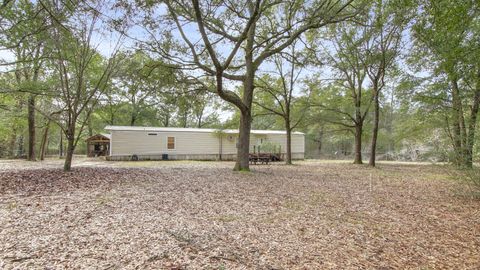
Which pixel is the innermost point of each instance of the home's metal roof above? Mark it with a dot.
(99, 137)
(208, 130)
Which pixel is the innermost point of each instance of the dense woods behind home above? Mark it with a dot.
(384, 79)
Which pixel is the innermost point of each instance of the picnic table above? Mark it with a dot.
(263, 158)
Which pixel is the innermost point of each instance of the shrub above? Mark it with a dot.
(269, 147)
(471, 176)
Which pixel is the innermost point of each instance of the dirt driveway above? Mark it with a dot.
(201, 215)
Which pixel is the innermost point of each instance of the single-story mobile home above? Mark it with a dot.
(127, 142)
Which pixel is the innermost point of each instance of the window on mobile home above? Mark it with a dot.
(170, 143)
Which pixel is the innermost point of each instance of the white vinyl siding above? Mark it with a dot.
(139, 142)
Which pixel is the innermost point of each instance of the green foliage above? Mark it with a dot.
(471, 176)
(269, 147)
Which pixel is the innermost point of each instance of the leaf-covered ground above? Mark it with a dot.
(204, 216)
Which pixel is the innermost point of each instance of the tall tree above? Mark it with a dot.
(345, 55)
(281, 96)
(260, 29)
(343, 107)
(139, 80)
(23, 31)
(386, 21)
(82, 74)
(448, 37)
(362, 53)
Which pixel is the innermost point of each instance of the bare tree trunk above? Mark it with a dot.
(320, 140)
(457, 125)
(67, 166)
(16, 140)
(243, 145)
(60, 145)
(472, 125)
(166, 120)
(358, 143)
(47, 144)
(13, 140)
(43, 145)
(243, 150)
(199, 118)
(288, 159)
(376, 118)
(133, 119)
(185, 119)
(358, 126)
(21, 149)
(389, 127)
(31, 128)
(199, 122)
(133, 115)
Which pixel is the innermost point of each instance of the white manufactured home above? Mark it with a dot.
(128, 142)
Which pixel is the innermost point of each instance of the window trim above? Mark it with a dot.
(174, 143)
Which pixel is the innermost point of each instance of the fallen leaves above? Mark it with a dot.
(204, 216)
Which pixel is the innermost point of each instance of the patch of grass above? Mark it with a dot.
(182, 236)
(294, 205)
(227, 218)
(387, 173)
(470, 177)
(104, 199)
(316, 198)
(242, 170)
(324, 161)
(395, 173)
(436, 176)
(357, 218)
(272, 218)
(12, 206)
